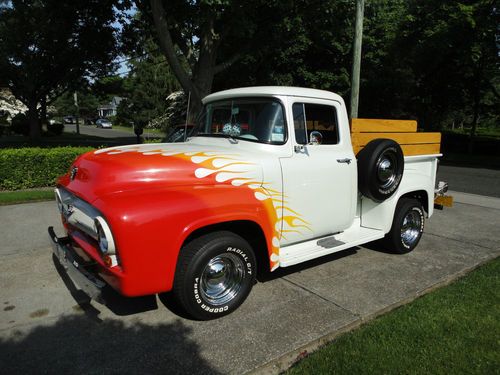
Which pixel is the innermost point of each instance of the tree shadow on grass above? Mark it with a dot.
(79, 345)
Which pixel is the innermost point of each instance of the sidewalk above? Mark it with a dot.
(43, 329)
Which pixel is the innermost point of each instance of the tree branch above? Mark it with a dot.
(167, 47)
(186, 50)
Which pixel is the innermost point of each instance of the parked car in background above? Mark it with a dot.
(68, 119)
(103, 123)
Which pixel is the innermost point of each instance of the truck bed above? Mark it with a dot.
(402, 131)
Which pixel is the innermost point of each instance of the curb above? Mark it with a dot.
(287, 360)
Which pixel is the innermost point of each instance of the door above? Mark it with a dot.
(319, 179)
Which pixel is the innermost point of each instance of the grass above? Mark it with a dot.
(25, 196)
(453, 330)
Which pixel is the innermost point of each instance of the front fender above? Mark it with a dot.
(151, 226)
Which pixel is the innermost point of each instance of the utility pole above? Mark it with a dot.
(356, 62)
(75, 98)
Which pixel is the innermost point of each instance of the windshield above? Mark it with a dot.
(252, 119)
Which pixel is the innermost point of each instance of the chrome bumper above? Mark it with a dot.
(76, 268)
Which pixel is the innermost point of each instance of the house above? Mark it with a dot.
(109, 109)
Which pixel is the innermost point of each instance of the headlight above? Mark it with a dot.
(104, 236)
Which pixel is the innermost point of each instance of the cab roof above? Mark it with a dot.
(272, 91)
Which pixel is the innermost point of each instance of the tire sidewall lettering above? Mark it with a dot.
(209, 308)
(204, 305)
(244, 256)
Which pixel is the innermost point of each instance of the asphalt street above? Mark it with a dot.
(105, 133)
(480, 181)
(48, 326)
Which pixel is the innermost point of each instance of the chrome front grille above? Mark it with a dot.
(77, 212)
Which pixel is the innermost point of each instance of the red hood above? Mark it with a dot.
(135, 167)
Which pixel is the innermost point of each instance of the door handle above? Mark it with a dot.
(346, 160)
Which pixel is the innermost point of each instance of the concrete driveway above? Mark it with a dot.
(48, 327)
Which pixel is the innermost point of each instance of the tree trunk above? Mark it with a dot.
(199, 84)
(43, 112)
(33, 120)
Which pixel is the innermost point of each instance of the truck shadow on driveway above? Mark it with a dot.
(118, 304)
(266, 276)
(123, 306)
(79, 345)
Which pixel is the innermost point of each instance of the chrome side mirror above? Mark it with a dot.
(315, 138)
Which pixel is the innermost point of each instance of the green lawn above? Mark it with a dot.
(25, 196)
(453, 330)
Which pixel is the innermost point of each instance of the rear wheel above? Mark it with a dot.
(215, 273)
(407, 226)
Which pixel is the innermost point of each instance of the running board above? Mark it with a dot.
(304, 251)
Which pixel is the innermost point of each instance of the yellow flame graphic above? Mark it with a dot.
(228, 168)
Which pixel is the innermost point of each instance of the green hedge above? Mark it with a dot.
(33, 167)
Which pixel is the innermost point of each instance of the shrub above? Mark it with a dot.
(35, 167)
(20, 124)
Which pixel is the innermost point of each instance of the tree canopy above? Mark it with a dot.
(48, 46)
(437, 62)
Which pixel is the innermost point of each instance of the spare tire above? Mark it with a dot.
(380, 169)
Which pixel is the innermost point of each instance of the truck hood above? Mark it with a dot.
(137, 167)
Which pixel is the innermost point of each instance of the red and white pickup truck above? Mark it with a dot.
(270, 177)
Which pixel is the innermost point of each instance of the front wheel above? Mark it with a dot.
(407, 226)
(215, 273)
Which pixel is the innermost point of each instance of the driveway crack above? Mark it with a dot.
(321, 297)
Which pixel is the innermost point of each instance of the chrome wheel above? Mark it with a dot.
(386, 169)
(221, 279)
(411, 228)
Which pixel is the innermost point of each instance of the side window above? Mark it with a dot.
(315, 117)
(299, 123)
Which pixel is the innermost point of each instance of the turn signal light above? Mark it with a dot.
(108, 261)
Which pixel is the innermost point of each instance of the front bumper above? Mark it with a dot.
(78, 270)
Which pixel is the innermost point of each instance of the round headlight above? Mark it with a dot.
(104, 236)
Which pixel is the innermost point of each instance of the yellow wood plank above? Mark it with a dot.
(424, 149)
(363, 125)
(362, 139)
(412, 150)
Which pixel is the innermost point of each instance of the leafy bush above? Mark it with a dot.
(56, 128)
(20, 124)
(34, 167)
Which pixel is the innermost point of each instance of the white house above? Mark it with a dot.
(109, 109)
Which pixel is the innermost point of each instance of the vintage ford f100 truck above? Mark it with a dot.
(269, 177)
